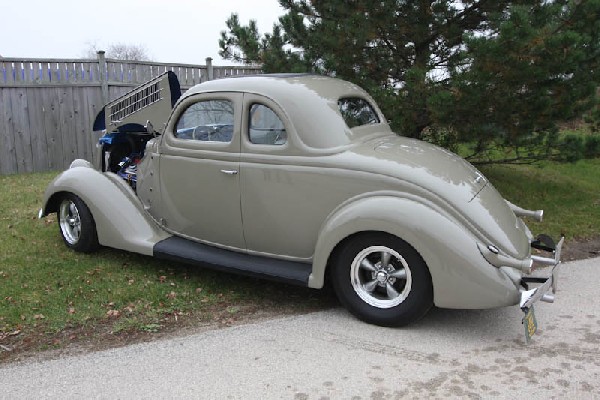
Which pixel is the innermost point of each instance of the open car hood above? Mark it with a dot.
(153, 101)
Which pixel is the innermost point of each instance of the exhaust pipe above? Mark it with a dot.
(536, 215)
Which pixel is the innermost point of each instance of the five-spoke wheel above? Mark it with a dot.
(76, 224)
(70, 222)
(382, 279)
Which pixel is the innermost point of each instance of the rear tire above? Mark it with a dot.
(382, 280)
(76, 224)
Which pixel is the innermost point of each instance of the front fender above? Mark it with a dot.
(121, 221)
(461, 276)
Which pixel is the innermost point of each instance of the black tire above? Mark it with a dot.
(76, 224)
(362, 273)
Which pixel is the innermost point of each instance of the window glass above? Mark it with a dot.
(265, 127)
(207, 121)
(357, 112)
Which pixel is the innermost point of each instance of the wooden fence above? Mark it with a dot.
(47, 106)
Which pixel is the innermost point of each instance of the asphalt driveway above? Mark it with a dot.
(465, 354)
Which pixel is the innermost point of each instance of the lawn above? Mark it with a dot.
(568, 193)
(47, 290)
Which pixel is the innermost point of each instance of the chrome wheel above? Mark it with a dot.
(70, 221)
(76, 224)
(381, 277)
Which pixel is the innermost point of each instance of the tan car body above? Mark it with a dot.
(300, 200)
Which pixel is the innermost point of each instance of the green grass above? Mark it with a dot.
(46, 289)
(569, 194)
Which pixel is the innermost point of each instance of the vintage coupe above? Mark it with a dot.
(299, 178)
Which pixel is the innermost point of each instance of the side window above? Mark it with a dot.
(357, 112)
(207, 121)
(265, 127)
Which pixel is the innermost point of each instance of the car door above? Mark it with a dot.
(281, 217)
(199, 170)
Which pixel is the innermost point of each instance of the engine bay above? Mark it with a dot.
(122, 152)
(127, 124)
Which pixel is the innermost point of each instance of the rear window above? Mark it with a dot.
(357, 112)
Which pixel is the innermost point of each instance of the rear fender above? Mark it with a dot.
(461, 276)
(121, 221)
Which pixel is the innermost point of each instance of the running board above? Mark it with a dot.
(190, 252)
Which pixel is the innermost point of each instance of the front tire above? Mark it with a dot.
(76, 224)
(382, 280)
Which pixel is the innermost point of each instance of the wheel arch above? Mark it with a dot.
(120, 219)
(460, 276)
(51, 205)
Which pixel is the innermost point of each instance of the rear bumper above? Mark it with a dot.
(547, 289)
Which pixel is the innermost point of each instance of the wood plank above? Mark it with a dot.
(147, 73)
(181, 73)
(45, 74)
(193, 76)
(80, 128)
(18, 71)
(197, 76)
(20, 127)
(79, 72)
(131, 73)
(50, 99)
(27, 73)
(95, 71)
(87, 72)
(185, 78)
(116, 73)
(8, 157)
(135, 73)
(109, 72)
(67, 126)
(71, 74)
(64, 77)
(93, 102)
(37, 129)
(11, 73)
(55, 76)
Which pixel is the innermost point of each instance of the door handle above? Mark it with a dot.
(229, 171)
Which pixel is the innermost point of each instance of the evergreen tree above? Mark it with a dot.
(488, 73)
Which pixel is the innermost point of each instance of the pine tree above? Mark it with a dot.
(488, 73)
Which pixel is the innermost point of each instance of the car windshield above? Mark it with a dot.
(357, 112)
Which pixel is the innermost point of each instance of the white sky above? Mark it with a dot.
(176, 31)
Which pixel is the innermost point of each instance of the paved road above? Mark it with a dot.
(466, 354)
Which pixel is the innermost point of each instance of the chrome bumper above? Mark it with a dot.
(545, 292)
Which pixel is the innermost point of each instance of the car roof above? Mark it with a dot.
(309, 101)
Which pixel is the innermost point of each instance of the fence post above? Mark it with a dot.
(209, 68)
(103, 78)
